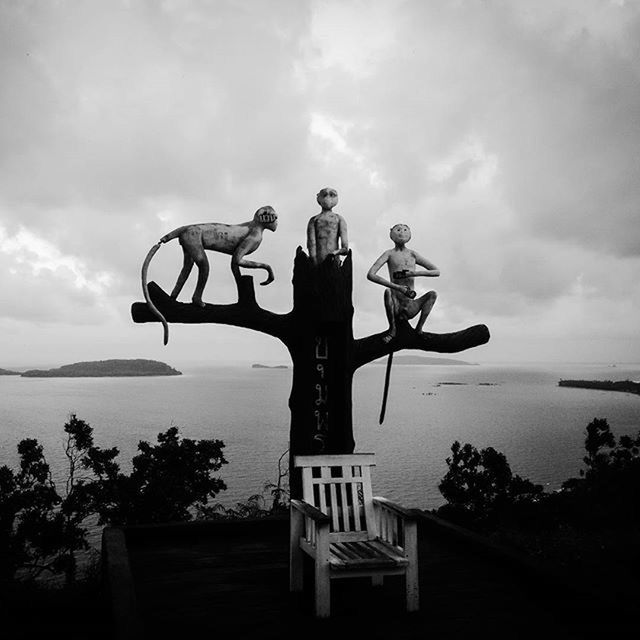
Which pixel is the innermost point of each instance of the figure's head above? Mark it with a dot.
(267, 217)
(327, 198)
(400, 233)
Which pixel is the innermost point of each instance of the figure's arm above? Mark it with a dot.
(372, 275)
(311, 240)
(247, 246)
(430, 269)
(344, 240)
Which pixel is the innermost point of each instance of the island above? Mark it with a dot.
(6, 372)
(628, 386)
(106, 369)
(257, 365)
(423, 360)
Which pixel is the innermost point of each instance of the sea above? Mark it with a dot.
(518, 409)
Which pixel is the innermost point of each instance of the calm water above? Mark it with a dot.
(518, 410)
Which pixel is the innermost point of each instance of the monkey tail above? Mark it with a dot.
(145, 290)
(172, 234)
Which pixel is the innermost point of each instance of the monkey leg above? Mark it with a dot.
(184, 274)
(425, 304)
(390, 309)
(202, 262)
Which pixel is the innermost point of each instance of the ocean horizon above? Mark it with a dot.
(518, 409)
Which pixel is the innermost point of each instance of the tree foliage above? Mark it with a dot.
(480, 486)
(608, 489)
(167, 483)
(273, 500)
(481, 490)
(41, 528)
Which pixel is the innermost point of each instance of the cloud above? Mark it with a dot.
(505, 134)
(41, 284)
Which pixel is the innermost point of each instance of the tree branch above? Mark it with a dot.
(373, 347)
(244, 313)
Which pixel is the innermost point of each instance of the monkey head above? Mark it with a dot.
(266, 217)
(400, 233)
(327, 198)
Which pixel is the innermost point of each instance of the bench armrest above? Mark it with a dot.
(310, 511)
(405, 514)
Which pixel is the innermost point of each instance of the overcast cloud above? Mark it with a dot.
(505, 134)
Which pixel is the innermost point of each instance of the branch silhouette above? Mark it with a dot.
(246, 313)
(373, 347)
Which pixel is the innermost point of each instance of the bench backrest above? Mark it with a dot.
(340, 486)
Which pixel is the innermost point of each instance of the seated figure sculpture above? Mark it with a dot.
(400, 300)
(327, 231)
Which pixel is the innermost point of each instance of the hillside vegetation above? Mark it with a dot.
(106, 368)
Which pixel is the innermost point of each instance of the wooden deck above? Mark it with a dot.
(232, 578)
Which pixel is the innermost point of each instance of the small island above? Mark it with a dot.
(106, 369)
(628, 386)
(6, 372)
(257, 365)
(424, 360)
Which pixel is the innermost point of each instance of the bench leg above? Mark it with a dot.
(413, 590)
(377, 580)
(296, 557)
(323, 590)
(412, 575)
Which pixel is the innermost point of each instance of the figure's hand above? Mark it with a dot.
(404, 273)
(269, 279)
(409, 292)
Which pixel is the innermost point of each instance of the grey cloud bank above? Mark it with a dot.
(505, 134)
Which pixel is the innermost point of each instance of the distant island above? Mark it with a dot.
(106, 369)
(6, 372)
(628, 386)
(423, 360)
(266, 366)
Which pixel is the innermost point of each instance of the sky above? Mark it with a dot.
(506, 134)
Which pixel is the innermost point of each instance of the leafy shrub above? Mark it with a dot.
(257, 505)
(480, 486)
(41, 528)
(482, 492)
(167, 483)
(608, 490)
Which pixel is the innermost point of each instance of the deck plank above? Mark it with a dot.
(238, 584)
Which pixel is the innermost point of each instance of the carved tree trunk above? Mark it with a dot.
(318, 333)
(321, 347)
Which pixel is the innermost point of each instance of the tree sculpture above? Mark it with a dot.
(319, 336)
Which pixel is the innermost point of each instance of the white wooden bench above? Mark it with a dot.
(347, 531)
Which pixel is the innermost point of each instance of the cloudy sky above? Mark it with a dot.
(505, 134)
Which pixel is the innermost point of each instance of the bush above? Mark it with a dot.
(608, 490)
(168, 481)
(257, 505)
(591, 524)
(41, 528)
(480, 488)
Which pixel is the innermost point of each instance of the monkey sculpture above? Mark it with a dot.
(400, 298)
(327, 230)
(236, 240)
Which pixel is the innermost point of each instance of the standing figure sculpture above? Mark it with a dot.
(400, 300)
(327, 231)
(236, 240)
